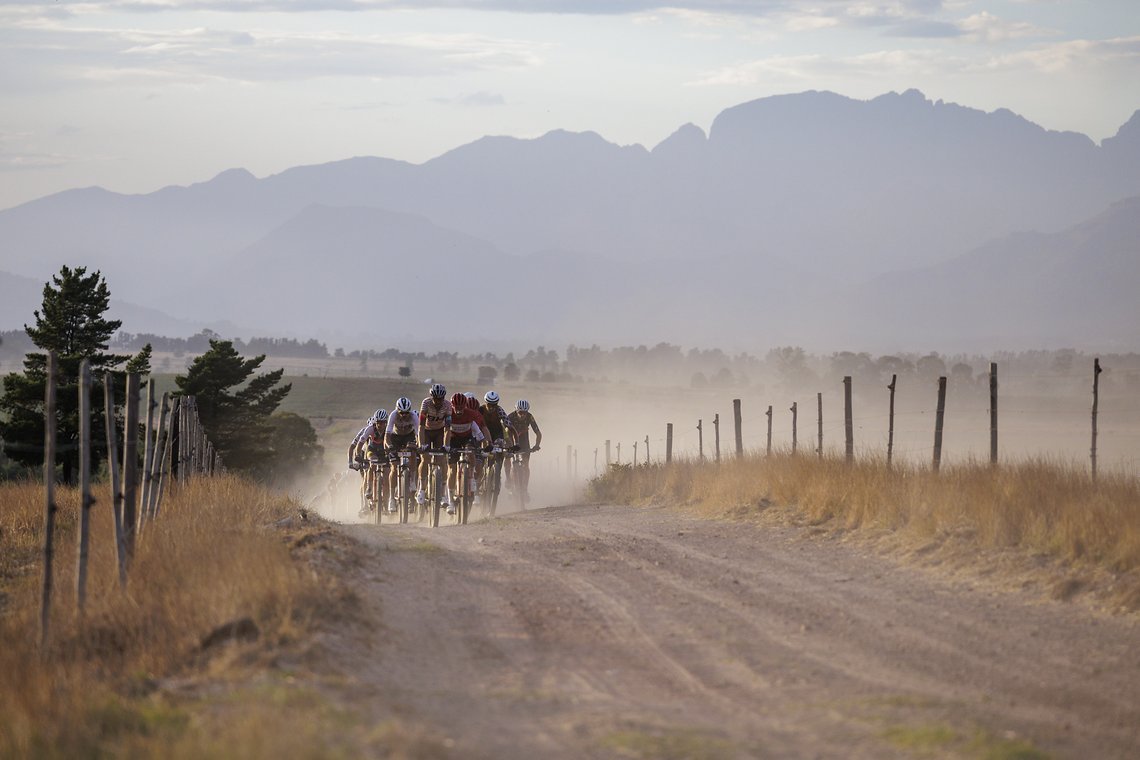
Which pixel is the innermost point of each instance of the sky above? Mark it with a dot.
(134, 95)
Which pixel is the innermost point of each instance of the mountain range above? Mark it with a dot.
(810, 219)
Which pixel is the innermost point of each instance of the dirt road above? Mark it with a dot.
(622, 632)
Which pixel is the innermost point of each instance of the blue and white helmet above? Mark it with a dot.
(403, 404)
(491, 397)
(522, 405)
(438, 390)
(381, 415)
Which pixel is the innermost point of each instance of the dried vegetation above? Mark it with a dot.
(1038, 516)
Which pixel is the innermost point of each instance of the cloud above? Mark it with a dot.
(62, 56)
(985, 27)
(474, 100)
(1121, 52)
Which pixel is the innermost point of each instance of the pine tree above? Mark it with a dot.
(71, 323)
(233, 408)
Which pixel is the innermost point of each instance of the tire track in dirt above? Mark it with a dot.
(560, 632)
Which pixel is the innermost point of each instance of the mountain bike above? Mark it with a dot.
(493, 477)
(375, 476)
(436, 484)
(465, 481)
(515, 482)
(405, 464)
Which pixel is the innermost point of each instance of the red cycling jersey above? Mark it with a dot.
(462, 422)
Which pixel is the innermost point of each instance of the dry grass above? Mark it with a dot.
(1038, 507)
(215, 556)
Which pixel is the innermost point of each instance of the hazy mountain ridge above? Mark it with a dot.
(785, 199)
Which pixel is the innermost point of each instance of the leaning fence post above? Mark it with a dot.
(49, 498)
(149, 434)
(668, 443)
(607, 453)
(161, 435)
(848, 420)
(166, 466)
(700, 441)
(84, 483)
(131, 461)
(635, 453)
(1096, 403)
(113, 468)
(794, 432)
(939, 416)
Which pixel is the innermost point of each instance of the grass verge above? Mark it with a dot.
(1039, 508)
(195, 658)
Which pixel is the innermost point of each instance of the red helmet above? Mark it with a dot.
(459, 402)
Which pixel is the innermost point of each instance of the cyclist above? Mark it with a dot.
(434, 431)
(466, 429)
(521, 422)
(368, 444)
(400, 433)
(495, 419)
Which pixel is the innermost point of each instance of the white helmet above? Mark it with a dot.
(380, 416)
(522, 405)
(491, 397)
(471, 398)
(403, 404)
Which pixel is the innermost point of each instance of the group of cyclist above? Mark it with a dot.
(444, 425)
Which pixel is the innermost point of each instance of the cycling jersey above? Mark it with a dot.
(465, 424)
(435, 416)
(522, 422)
(403, 423)
(494, 417)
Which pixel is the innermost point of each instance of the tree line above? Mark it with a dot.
(237, 406)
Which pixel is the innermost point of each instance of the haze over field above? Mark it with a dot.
(618, 200)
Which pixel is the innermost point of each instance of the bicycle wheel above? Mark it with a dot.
(433, 497)
(377, 493)
(464, 495)
(405, 495)
(494, 483)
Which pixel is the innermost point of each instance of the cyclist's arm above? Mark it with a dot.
(537, 432)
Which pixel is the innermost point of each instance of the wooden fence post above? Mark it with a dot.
(993, 413)
(84, 483)
(848, 420)
(49, 499)
(891, 422)
(668, 443)
(113, 469)
(619, 452)
(769, 413)
(166, 465)
(700, 440)
(1096, 403)
(647, 449)
(149, 434)
(794, 413)
(939, 416)
(736, 421)
(819, 417)
(635, 453)
(131, 462)
(607, 453)
(162, 434)
(716, 431)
